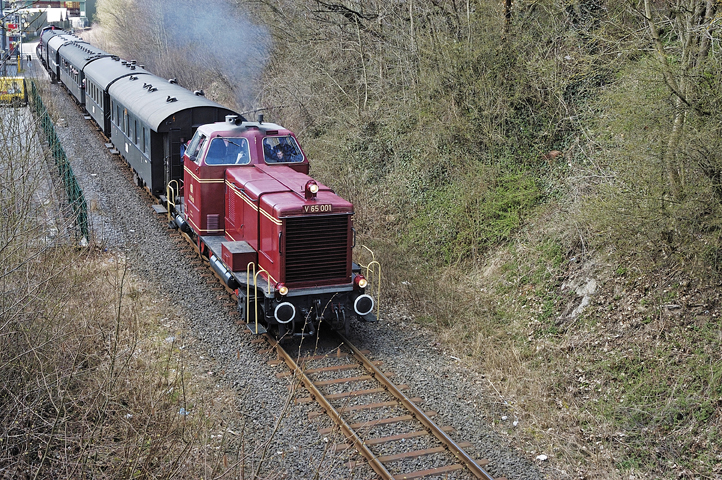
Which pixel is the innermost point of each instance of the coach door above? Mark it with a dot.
(173, 161)
(107, 113)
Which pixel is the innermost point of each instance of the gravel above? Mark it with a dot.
(122, 220)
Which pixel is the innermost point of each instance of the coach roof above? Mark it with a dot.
(79, 54)
(59, 40)
(153, 99)
(49, 32)
(106, 70)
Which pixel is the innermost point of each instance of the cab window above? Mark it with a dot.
(195, 146)
(281, 150)
(228, 151)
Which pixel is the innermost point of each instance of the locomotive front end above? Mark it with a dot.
(304, 238)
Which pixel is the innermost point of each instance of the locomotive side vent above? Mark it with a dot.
(317, 248)
(212, 221)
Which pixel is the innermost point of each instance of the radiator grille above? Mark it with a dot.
(317, 248)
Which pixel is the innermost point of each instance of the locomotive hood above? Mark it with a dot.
(282, 192)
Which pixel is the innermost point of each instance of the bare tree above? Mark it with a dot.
(694, 26)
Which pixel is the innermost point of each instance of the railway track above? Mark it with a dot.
(347, 385)
(363, 403)
(345, 382)
(398, 442)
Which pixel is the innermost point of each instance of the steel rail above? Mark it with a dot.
(435, 430)
(374, 462)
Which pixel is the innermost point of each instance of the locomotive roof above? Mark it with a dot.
(106, 70)
(153, 99)
(230, 129)
(79, 54)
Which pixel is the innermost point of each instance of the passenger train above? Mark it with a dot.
(240, 189)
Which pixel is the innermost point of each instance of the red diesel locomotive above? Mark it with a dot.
(282, 240)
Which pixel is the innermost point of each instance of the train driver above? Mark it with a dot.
(237, 151)
(228, 151)
(281, 150)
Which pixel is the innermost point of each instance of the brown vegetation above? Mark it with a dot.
(95, 381)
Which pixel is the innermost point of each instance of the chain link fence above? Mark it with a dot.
(75, 195)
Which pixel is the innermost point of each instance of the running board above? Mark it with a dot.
(256, 328)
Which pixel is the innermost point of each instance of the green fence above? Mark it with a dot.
(75, 194)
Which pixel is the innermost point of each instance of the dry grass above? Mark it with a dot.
(97, 385)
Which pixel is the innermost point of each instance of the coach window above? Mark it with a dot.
(125, 122)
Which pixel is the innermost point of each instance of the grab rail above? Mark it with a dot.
(252, 267)
(373, 272)
(170, 196)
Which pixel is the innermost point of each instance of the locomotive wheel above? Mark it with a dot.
(346, 323)
(283, 332)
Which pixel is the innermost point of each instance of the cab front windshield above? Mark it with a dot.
(281, 150)
(228, 151)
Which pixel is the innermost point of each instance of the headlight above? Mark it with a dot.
(282, 289)
(310, 189)
(360, 281)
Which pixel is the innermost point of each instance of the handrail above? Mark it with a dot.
(373, 270)
(170, 196)
(369, 272)
(252, 267)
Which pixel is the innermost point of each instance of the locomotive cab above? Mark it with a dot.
(216, 147)
(205, 163)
